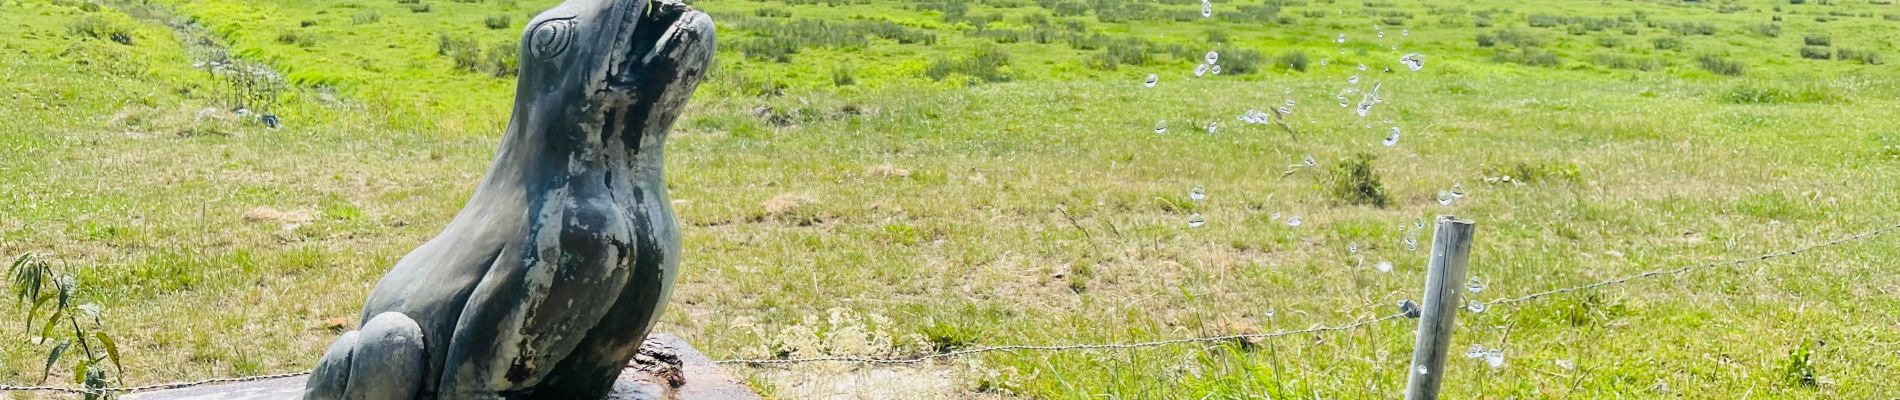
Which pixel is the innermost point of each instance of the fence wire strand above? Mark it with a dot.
(1098, 346)
(1683, 270)
(146, 388)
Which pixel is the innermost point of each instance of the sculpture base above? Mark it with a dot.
(667, 368)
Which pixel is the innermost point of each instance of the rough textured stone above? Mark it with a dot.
(666, 369)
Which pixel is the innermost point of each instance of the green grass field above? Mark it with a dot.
(890, 178)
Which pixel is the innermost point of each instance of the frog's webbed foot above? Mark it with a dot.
(384, 360)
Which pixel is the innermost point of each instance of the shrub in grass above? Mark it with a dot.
(1241, 62)
(1295, 60)
(498, 22)
(1817, 40)
(1071, 9)
(1769, 30)
(1123, 52)
(775, 49)
(986, 65)
(1541, 20)
(1686, 28)
(1218, 36)
(466, 54)
(1773, 92)
(1856, 55)
(1530, 56)
(1666, 43)
(841, 76)
(1609, 42)
(98, 27)
(1816, 53)
(299, 39)
(1619, 61)
(502, 59)
(1512, 37)
(366, 17)
(1354, 181)
(1721, 65)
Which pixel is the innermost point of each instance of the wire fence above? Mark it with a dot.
(1100, 346)
(1316, 330)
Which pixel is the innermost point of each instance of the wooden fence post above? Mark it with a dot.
(1444, 277)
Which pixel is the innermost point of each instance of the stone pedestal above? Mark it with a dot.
(666, 369)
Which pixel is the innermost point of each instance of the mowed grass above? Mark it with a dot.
(900, 213)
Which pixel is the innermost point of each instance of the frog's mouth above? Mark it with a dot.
(662, 42)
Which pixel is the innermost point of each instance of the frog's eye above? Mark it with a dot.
(550, 38)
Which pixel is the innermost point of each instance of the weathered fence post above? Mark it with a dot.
(1451, 248)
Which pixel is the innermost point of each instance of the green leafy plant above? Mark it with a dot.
(1355, 181)
(1799, 369)
(36, 284)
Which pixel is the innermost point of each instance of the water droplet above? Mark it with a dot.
(1211, 126)
(1342, 101)
(1293, 221)
(1352, 249)
(1215, 70)
(1475, 307)
(1152, 79)
(1200, 70)
(1414, 61)
(1405, 32)
(1196, 220)
(1411, 242)
(1285, 110)
(1365, 105)
(1383, 266)
(1197, 194)
(1392, 138)
(1161, 127)
(1381, 34)
(1290, 102)
(1207, 8)
(1275, 217)
(1213, 57)
(1341, 39)
(1457, 190)
(1323, 62)
(1495, 359)
(1418, 222)
(1362, 67)
(1445, 198)
(1269, 313)
(1476, 351)
(1310, 161)
(1566, 364)
(1409, 308)
(1476, 285)
(1424, 371)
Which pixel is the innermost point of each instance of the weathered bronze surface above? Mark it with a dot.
(545, 284)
